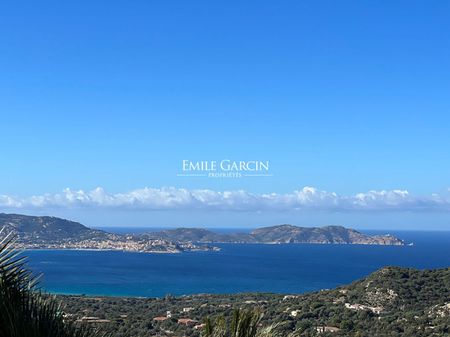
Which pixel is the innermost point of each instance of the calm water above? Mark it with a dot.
(293, 268)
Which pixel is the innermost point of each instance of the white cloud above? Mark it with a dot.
(171, 198)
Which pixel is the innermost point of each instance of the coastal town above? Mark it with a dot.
(46, 232)
(125, 245)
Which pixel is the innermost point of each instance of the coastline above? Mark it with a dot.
(354, 301)
(101, 250)
(217, 249)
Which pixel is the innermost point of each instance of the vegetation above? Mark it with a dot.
(37, 229)
(24, 311)
(397, 302)
(390, 302)
(243, 323)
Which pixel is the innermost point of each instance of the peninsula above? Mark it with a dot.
(280, 234)
(47, 232)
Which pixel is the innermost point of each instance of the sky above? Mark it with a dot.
(101, 101)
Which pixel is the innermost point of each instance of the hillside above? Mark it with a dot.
(200, 235)
(47, 228)
(281, 234)
(392, 301)
(46, 232)
(328, 234)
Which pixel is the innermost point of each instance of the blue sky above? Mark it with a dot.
(347, 97)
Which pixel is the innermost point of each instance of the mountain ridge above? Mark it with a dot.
(285, 233)
(54, 228)
(47, 232)
(48, 229)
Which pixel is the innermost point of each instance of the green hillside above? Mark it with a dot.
(390, 302)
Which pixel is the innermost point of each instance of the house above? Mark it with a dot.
(322, 329)
(375, 310)
(199, 326)
(289, 297)
(294, 313)
(186, 321)
(160, 318)
(90, 319)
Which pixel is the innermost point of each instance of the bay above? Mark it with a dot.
(284, 268)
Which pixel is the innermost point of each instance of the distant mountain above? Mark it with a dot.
(43, 230)
(48, 228)
(46, 232)
(281, 234)
(200, 235)
(328, 234)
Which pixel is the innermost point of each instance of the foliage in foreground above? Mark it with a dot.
(24, 311)
(244, 323)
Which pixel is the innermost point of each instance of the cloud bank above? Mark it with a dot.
(171, 198)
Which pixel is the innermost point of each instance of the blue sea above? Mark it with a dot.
(286, 268)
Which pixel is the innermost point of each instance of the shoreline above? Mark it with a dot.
(217, 249)
(101, 250)
(200, 295)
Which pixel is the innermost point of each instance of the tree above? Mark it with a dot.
(244, 323)
(25, 311)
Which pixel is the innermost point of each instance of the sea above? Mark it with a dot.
(237, 268)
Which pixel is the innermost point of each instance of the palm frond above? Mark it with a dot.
(243, 323)
(25, 311)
